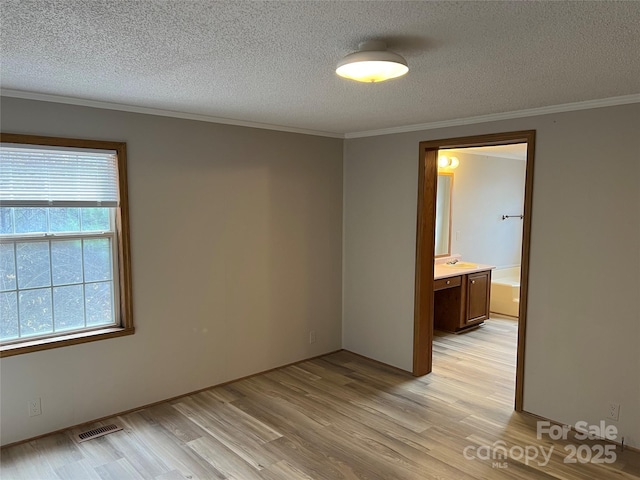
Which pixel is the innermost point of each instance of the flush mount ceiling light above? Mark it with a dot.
(372, 63)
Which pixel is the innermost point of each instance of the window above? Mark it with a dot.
(64, 243)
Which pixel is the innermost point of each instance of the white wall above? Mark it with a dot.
(236, 238)
(583, 316)
(484, 189)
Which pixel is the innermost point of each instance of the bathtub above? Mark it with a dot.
(505, 291)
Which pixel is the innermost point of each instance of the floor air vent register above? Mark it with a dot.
(97, 432)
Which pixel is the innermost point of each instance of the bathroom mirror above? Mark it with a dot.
(444, 191)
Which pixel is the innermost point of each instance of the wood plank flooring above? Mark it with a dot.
(337, 417)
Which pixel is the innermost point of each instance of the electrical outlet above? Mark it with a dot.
(613, 411)
(312, 336)
(35, 407)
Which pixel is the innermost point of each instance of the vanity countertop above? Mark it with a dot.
(444, 271)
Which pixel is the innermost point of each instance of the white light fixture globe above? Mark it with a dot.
(372, 63)
(447, 163)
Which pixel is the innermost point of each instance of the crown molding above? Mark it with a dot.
(43, 97)
(532, 112)
(565, 107)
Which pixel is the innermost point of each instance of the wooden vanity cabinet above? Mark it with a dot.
(462, 301)
(478, 291)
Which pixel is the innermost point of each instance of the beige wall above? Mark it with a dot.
(583, 317)
(237, 252)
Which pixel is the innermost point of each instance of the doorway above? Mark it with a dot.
(426, 244)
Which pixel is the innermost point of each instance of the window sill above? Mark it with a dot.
(76, 338)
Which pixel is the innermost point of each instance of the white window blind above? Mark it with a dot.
(57, 177)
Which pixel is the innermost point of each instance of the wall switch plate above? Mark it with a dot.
(613, 411)
(35, 407)
(312, 336)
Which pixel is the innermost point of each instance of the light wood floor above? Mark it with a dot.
(337, 417)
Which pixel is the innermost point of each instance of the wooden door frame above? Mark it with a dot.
(425, 244)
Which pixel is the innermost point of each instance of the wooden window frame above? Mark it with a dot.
(124, 302)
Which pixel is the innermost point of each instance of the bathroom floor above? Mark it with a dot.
(487, 350)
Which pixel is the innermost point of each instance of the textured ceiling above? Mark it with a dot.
(273, 62)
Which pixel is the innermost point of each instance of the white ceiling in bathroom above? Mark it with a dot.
(272, 63)
(516, 151)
